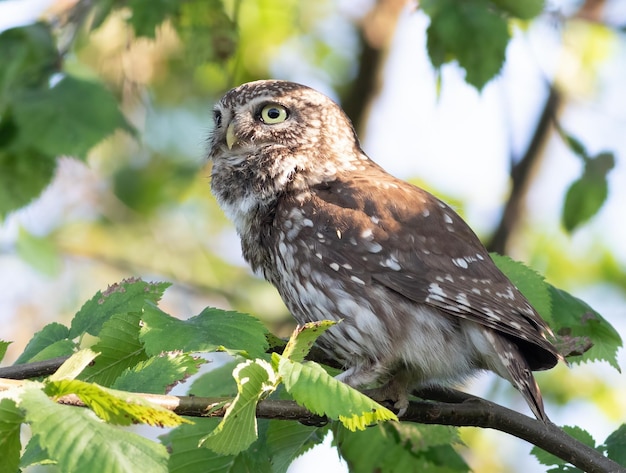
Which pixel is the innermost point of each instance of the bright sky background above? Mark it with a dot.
(456, 142)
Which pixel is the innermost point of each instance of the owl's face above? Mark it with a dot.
(272, 137)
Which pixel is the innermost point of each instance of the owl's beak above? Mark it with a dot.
(230, 136)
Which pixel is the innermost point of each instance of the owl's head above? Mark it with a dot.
(282, 130)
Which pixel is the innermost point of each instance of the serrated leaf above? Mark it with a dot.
(238, 429)
(312, 387)
(530, 283)
(303, 338)
(39, 252)
(48, 335)
(583, 199)
(218, 382)
(158, 374)
(3, 348)
(130, 295)
(386, 449)
(615, 445)
(470, 32)
(211, 330)
(74, 365)
(119, 348)
(575, 319)
(526, 10)
(185, 455)
(11, 419)
(34, 454)
(115, 407)
(69, 118)
(81, 443)
(287, 440)
(576, 432)
(23, 176)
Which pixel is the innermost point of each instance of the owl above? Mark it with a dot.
(419, 300)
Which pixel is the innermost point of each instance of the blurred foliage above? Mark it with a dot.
(126, 86)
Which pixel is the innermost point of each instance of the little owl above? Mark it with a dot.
(419, 299)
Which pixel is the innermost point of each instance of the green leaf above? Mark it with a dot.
(74, 365)
(114, 407)
(615, 445)
(185, 455)
(312, 387)
(530, 283)
(583, 200)
(303, 338)
(218, 382)
(29, 58)
(34, 454)
(146, 16)
(81, 443)
(119, 348)
(288, 440)
(238, 429)
(526, 10)
(400, 447)
(470, 32)
(23, 176)
(578, 324)
(68, 119)
(159, 374)
(47, 336)
(55, 350)
(576, 432)
(11, 419)
(211, 330)
(3, 348)
(130, 295)
(39, 252)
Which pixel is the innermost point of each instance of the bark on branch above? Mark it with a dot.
(440, 406)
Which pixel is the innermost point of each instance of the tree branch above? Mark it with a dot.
(443, 407)
(521, 173)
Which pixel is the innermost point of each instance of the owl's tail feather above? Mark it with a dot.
(515, 369)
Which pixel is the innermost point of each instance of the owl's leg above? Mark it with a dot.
(396, 390)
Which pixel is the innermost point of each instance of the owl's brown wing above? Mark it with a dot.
(417, 246)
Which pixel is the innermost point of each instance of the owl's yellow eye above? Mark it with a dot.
(273, 113)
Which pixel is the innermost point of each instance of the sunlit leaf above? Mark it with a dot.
(303, 338)
(74, 365)
(81, 443)
(312, 387)
(238, 429)
(115, 407)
